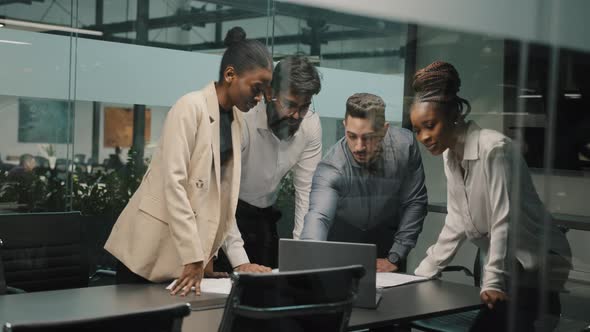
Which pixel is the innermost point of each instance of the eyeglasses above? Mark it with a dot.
(289, 108)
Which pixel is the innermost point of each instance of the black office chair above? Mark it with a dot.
(165, 319)
(41, 162)
(61, 165)
(43, 251)
(5, 289)
(459, 322)
(80, 158)
(309, 300)
(2, 278)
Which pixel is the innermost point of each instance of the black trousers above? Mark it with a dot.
(259, 232)
(258, 227)
(126, 276)
(526, 298)
(527, 301)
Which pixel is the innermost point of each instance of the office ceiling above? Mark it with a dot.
(318, 29)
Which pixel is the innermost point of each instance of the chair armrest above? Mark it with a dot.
(14, 290)
(104, 272)
(292, 311)
(477, 269)
(458, 268)
(100, 273)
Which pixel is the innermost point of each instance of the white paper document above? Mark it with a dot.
(211, 285)
(391, 279)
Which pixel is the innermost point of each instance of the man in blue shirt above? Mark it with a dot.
(369, 187)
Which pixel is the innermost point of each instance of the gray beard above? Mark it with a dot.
(279, 127)
(281, 130)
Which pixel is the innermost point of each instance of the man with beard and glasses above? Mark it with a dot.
(281, 135)
(369, 187)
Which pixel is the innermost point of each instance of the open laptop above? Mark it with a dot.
(304, 255)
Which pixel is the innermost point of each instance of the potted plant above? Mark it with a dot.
(48, 150)
(286, 204)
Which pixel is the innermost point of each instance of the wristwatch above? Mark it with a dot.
(393, 258)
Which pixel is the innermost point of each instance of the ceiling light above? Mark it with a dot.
(13, 42)
(47, 27)
(573, 95)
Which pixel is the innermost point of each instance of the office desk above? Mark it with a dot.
(407, 302)
(416, 301)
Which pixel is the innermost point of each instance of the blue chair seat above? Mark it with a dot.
(459, 322)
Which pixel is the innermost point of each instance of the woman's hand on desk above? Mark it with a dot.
(384, 265)
(190, 277)
(250, 267)
(491, 297)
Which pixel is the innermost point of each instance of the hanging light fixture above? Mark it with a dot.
(7, 22)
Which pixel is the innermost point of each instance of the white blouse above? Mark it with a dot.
(479, 206)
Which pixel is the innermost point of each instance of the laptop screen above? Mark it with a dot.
(305, 254)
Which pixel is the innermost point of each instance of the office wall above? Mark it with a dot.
(83, 111)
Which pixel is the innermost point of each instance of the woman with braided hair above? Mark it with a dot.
(489, 189)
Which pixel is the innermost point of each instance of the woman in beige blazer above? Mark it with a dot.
(185, 205)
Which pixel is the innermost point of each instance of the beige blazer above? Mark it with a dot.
(183, 209)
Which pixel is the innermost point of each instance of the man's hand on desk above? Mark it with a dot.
(190, 277)
(491, 297)
(250, 267)
(384, 265)
(209, 273)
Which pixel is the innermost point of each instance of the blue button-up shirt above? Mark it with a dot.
(384, 203)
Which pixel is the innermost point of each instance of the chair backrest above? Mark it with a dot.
(477, 269)
(308, 300)
(162, 319)
(2, 277)
(43, 251)
(80, 158)
(42, 162)
(61, 164)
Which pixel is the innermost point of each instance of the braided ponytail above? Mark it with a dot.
(439, 82)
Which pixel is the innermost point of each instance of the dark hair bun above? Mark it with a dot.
(438, 78)
(234, 36)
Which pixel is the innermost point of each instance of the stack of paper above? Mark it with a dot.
(389, 279)
(384, 280)
(211, 285)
